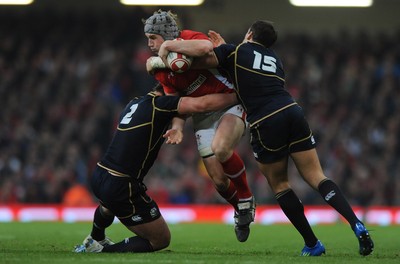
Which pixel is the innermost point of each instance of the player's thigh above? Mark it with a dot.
(114, 193)
(309, 166)
(220, 131)
(213, 166)
(276, 174)
(229, 132)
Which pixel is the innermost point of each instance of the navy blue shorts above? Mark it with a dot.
(125, 197)
(281, 134)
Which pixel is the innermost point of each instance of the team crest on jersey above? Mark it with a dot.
(153, 212)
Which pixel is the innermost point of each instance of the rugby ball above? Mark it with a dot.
(178, 62)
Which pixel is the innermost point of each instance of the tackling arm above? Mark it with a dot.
(174, 135)
(206, 103)
(200, 49)
(190, 105)
(191, 47)
(216, 38)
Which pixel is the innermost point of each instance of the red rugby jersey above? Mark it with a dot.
(193, 83)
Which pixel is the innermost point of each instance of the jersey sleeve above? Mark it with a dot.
(223, 52)
(167, 103)
(190, 34)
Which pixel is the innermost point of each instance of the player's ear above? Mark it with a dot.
(250, 35)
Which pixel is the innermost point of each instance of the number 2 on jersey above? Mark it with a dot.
(128, 116)
(265, 63)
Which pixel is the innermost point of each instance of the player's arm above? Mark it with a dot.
(206, 103)
(216, 38)
(190, 105)
(201, 50)
(191, 47)
(174, 135)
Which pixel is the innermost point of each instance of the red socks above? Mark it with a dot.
(235, 170)
(230, 195)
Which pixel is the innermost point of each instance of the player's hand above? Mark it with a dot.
(149, 66)
(173, 136)
(215, 38)
(163, 51)
(154, 63)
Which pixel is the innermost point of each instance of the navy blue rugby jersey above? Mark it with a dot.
(258, 77)
(138, 138)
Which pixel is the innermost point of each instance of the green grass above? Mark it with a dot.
(195, 244)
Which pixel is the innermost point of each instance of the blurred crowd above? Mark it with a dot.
(64, 78)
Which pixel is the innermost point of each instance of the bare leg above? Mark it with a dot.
(228, 134)
(150, 237)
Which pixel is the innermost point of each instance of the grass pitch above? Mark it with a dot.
(195, 244)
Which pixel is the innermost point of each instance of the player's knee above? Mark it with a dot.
(278, 187)
(106, 212)
(221, 151)
(162, 241)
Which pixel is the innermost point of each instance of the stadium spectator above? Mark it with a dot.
(78, 195)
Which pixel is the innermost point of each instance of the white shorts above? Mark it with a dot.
(206, 124)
